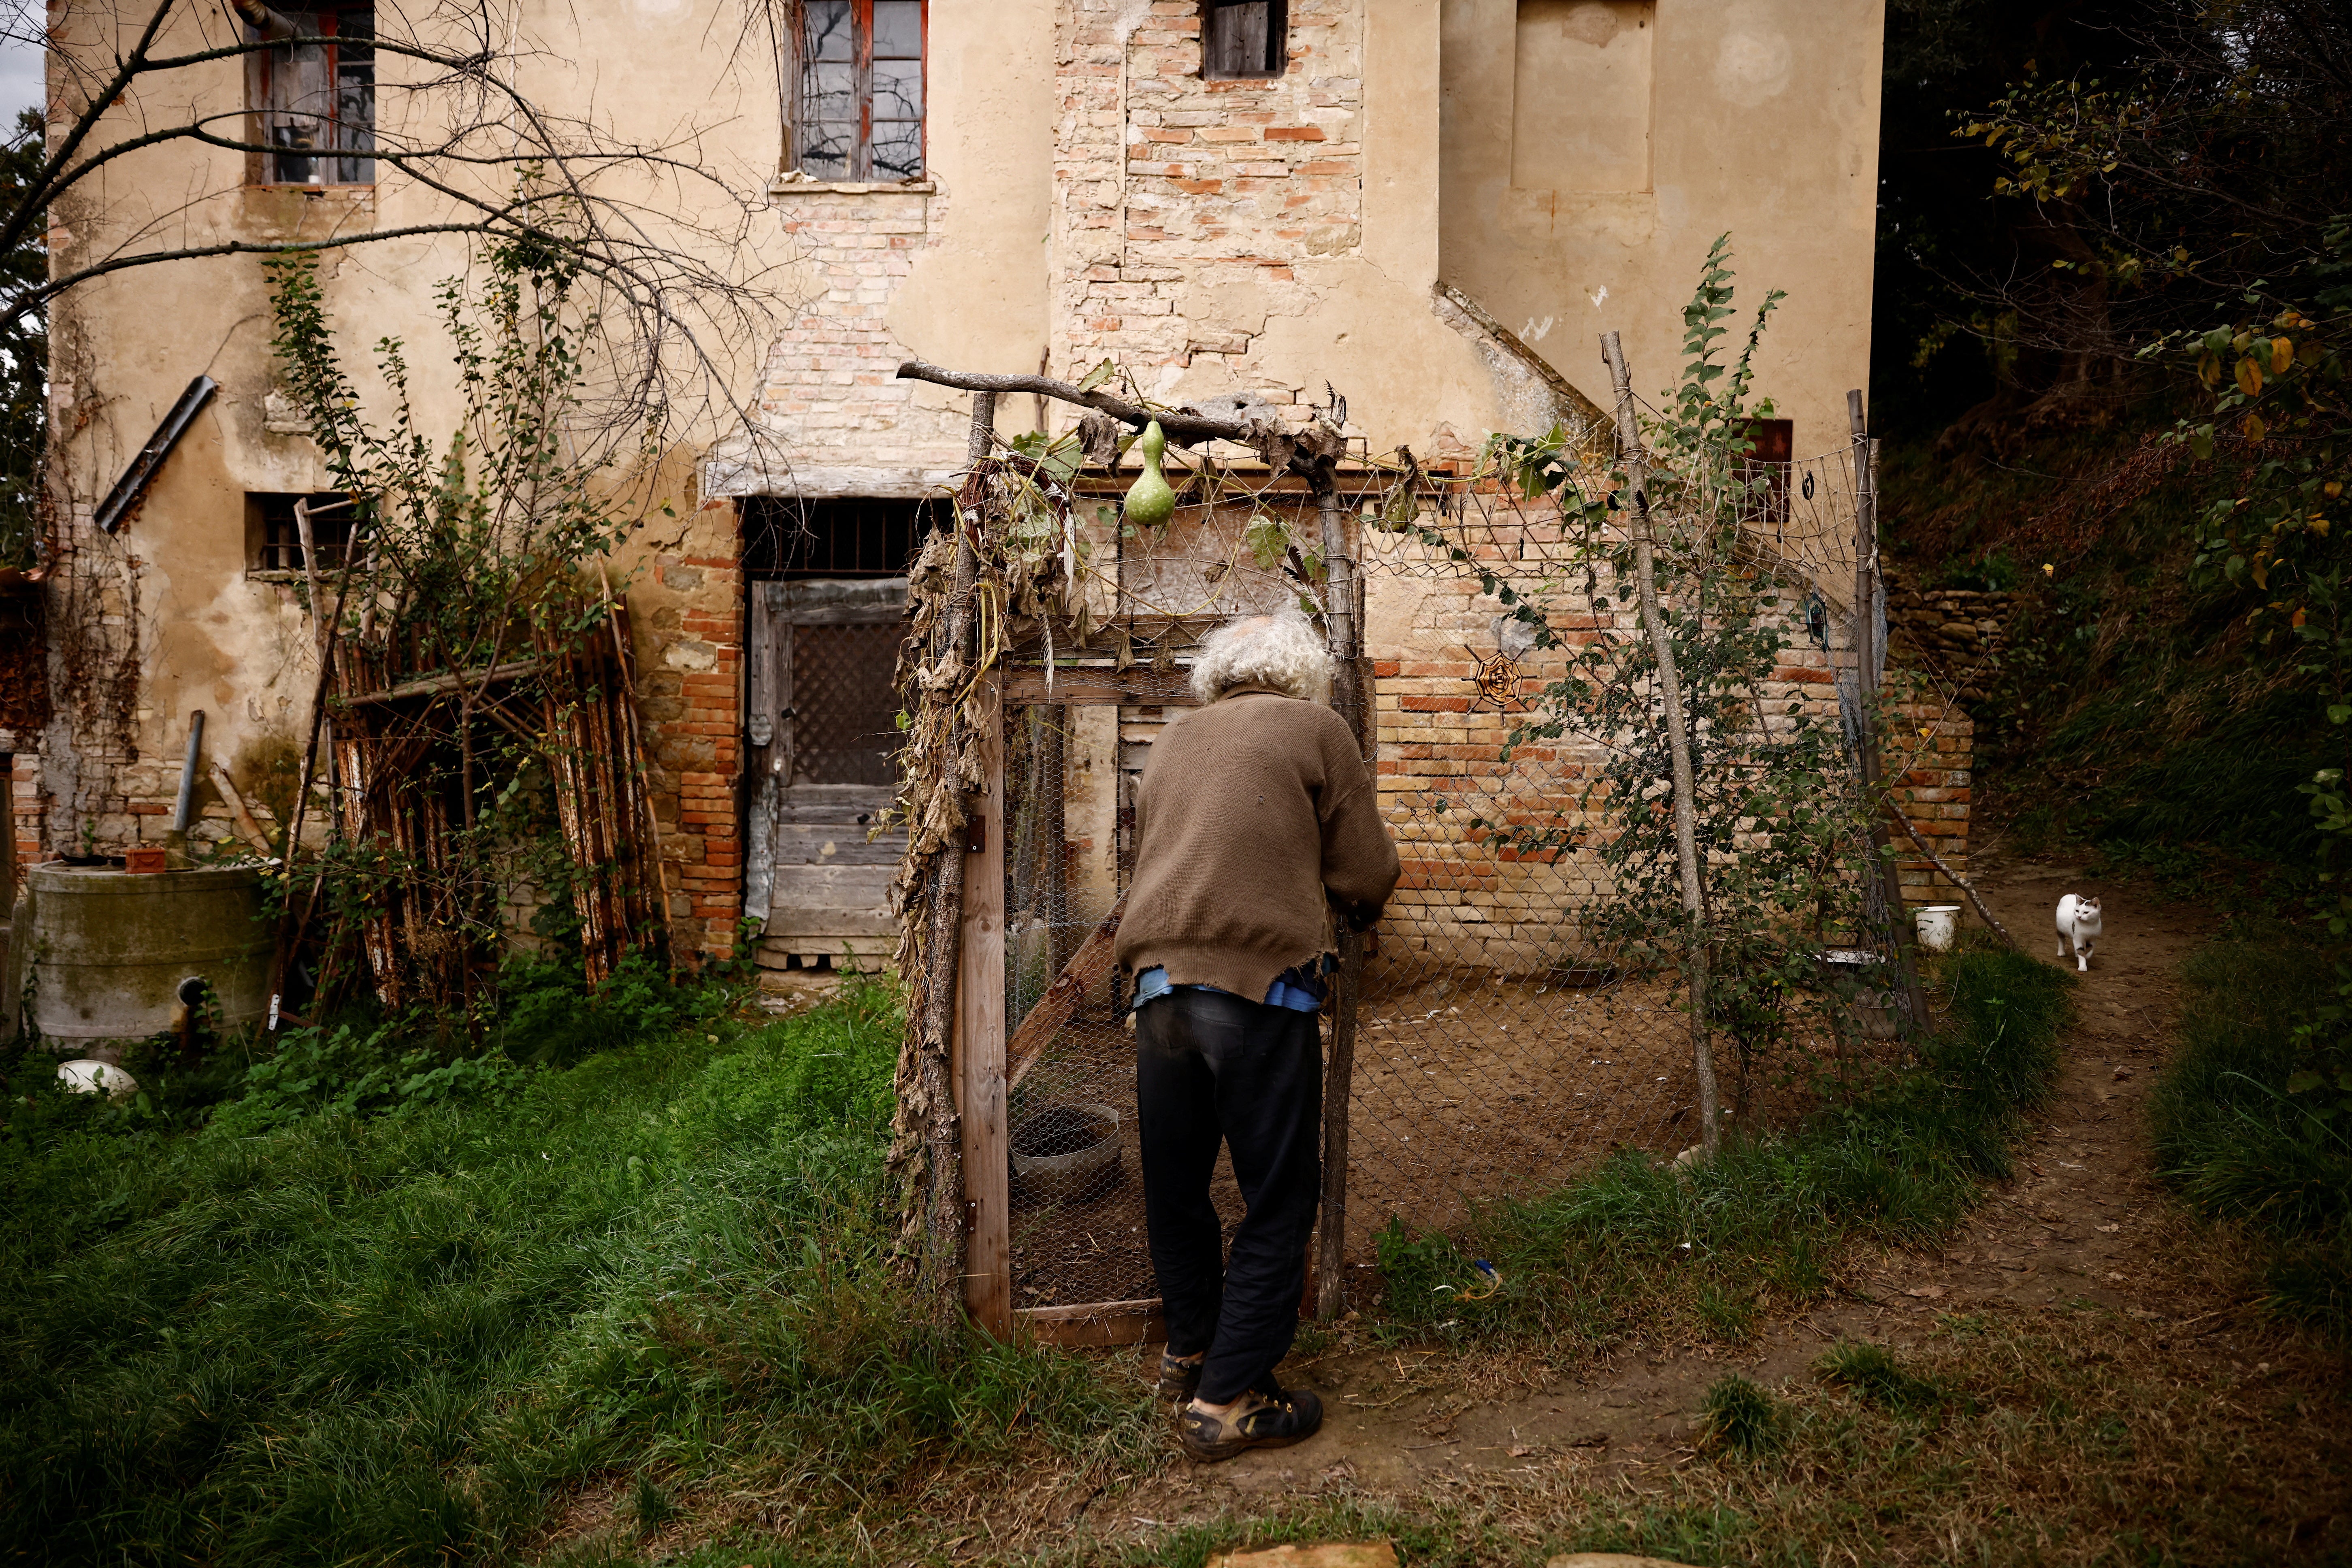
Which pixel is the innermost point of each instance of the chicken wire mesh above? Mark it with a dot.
(1499, 1048)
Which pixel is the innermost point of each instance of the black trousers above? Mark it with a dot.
(1211, 1068)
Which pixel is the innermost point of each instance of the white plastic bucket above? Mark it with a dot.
(1938, 924)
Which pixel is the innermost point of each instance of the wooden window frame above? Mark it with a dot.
(861, 161)
(261, 65)
(1277, 39)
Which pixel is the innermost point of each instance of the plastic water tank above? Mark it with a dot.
(110, 949)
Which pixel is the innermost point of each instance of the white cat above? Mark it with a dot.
(2078, 923)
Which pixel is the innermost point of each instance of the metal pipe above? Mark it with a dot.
(187, 803)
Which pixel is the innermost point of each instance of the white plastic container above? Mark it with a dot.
(1938, 924)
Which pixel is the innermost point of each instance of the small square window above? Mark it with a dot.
(860, 111)
(314, 103)
(1244, 40)
(274, 534)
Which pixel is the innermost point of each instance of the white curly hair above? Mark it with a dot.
(1281, 650)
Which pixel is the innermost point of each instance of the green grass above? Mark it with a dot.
(404, 1337)
(2239, 1145)
(1901, 1161)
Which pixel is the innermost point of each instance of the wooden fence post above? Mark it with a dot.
(979, 1039)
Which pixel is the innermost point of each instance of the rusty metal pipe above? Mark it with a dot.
(186, 806)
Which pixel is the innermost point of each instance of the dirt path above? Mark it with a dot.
(2083, 1222)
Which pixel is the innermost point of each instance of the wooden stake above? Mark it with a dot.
(979, 1044)
(941, 1239)
(1670, 692)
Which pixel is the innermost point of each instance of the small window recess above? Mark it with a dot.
(312, 105)
(1245, 40)
(273, 534)
(788, 540)
(857, 110)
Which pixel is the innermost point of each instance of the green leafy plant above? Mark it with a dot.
(1782, 846)
(465, 567)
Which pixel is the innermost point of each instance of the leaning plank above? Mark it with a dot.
(1081, 974)
(432, 685)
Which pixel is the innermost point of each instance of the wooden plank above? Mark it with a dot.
(1097, 1324)
(980, 1044)
(1081, 974)
(433, 685)
(1105, 688)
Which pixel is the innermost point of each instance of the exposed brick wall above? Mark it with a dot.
(1169, 187)
(23, 815)
(831, 390)
(687, 618)
(1439, 739)
(1930, 754)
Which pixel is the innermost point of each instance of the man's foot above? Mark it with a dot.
(1180, 1375)
(1255, 1420)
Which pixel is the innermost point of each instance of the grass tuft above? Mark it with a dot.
(1738, 1417)
(2231, 1135)
(1872, 1373)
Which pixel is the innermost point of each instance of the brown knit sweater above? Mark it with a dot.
(1251, 810)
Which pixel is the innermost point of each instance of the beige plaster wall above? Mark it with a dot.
(1763, 121)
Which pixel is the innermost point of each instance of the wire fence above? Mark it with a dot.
(1500, 1047)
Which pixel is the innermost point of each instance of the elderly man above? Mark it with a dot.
(1257, 825)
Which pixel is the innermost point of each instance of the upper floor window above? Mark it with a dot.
(1244, 39)
(315, 102)
(860, 106)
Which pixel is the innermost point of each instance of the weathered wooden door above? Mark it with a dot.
(822, 739)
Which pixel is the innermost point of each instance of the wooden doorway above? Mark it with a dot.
(826, 615)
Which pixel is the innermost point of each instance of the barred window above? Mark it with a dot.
(859, 113)
(274, 534)
(314, 101)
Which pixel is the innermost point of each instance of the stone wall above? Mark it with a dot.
(1954, 634)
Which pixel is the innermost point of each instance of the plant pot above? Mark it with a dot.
(1938, 925)
(1067, 1152)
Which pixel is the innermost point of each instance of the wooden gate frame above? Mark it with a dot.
(986, 1065)
(982, 1059)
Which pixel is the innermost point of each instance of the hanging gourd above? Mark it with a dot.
(1149, 502)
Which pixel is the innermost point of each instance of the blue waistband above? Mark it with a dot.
(1298, 988)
